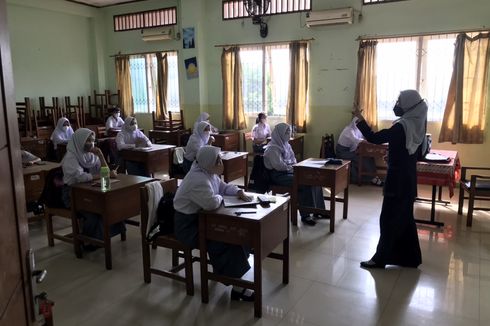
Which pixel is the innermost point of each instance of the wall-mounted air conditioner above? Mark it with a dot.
(330, 17)
(157, 34)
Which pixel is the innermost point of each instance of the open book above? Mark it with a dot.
(234, 201)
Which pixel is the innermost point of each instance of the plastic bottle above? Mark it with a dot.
(105, 179)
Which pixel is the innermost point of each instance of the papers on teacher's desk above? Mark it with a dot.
(234, 201)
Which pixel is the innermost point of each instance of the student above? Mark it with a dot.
(204, 116)
(28, 158)
(279, 159)
(82, 163)
(63, 132)
(200, 189)
(260, 132)
(130, 137)
(346, 148)
(114, 123)
(200, 137)
(398, 242)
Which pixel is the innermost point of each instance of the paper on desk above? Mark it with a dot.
(315, 164)
(234, 201)
(142, 148)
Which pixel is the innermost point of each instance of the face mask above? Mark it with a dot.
(133, 127)
(117, 115)
(65, 128)
(207, 133)
(88, 146)
(263, 121)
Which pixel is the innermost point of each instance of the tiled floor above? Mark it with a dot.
(327, 287)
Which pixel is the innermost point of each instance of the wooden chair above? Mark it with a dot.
(478, 188)
(74, 113)
(113, 99)
(174, 122)
(367, 150)
(24, 117)
(179, 250)
(98, 107)
(327, 148)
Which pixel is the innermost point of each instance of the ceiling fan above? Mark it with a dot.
(256, 9)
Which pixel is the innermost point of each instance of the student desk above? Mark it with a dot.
(235, 166)
(176, 137)
(35, 178)
(313, 172)
(114, 206)
(156, 158)
(262, 231)
(227, 141)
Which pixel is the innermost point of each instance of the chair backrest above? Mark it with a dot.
(246, 137)
(168, 186)
(176, 120)
(259, 177)
(24, 117)
(327, 148)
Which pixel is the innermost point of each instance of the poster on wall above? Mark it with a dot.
(188, 38)
(191, 68)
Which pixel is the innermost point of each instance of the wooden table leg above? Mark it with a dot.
(107, 247)
(258, 281)
(346, 202)
(204, 265)
(294, 201)
(332, 209)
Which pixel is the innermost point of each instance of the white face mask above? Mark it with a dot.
(117, 115)
(65, 128)
(133, 127)
(207, 134)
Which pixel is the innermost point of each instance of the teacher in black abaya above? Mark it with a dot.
(398, 242)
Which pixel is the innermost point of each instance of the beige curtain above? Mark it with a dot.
(162, 80)
(233, 112)
(123, 80)
(464, 116)
(365, 94)
(296, 110)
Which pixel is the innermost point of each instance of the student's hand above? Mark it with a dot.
(243, 196)
(97, 151)
(140, 142)
(211, 140)
(357, 112)
(113, 174)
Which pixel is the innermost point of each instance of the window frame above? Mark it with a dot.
(144, 19)
(378, 2)
(242, 13)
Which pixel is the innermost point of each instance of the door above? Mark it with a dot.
(15, 298)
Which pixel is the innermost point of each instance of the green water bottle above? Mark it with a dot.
(105, 178)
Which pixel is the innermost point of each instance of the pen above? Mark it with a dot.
(246, 212)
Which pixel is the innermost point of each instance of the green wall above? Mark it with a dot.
(85, 39)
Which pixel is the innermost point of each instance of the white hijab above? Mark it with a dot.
(76, 146)
(60, 133)
(204, 116)
(413, 120)
(126, 127)
(206, 157)
(199, 131)
(280, 139)
(351, 136)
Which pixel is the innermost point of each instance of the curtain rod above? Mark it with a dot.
(376, 37)
(264, 43)
(139, 53)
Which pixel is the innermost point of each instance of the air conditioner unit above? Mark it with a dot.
(330, 17)
(157, 34)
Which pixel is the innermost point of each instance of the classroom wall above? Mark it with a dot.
(55, 48)
(333, 53)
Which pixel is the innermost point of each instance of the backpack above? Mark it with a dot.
(164, 223)
(328, 145)
(53, 188)
(259, 177)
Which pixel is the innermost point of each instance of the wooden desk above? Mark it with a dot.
(34, 180)
(235, 166)
(312, 172)
(113, 206)
(227, 141)
(36, 146)
(157, 158)
(177, 137)
(262, 232)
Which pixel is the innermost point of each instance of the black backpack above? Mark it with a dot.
(53, 188)
(259, 177)
(164, 224)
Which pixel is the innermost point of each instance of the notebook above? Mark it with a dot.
(234, 201)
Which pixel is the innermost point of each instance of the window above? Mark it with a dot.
(374, 2)
(424, 63)
(145, 19)
(265, 79)
(235, 8)
(143, 70)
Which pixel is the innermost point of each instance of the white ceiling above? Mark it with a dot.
(101, 3)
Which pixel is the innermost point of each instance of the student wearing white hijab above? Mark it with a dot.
(279, 160)
(202, 189)
(62, 133)
(260, 132)
(204, 116)
(114, 122)
(346, 148)
(82, 163)
(200, 136)
(130, 137)
(398, 242)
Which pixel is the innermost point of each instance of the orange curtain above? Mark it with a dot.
(233, 112)
(465, 113)
(162, 81)
(365, 95)
(296, 110)
(123, 80)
